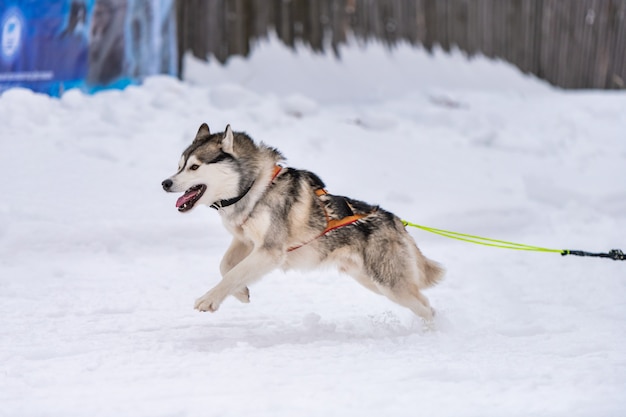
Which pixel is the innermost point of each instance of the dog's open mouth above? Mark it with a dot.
(191, 197)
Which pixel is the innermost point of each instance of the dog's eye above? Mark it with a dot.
(194, 167)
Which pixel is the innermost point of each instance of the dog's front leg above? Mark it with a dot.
(250, 269)
(237, 251)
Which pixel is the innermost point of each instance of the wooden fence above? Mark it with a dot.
(570, 43)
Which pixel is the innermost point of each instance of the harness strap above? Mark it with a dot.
(277, 170)
(331, 224)
(336, 224)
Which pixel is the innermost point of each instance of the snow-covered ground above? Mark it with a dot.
(99, 272)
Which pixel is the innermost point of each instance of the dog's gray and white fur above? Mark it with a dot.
(277, 222)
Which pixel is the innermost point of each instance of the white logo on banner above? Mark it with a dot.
(11, 35)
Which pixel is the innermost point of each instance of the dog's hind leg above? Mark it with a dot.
(350, 267)
(404, 291)
(408, 295)
(366, 281)
(236, 252)
(397, 276)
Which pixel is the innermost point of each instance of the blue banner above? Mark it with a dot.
(54, 45)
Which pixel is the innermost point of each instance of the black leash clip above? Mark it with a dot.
(617, 255)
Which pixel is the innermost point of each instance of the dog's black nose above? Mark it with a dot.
(167, 184)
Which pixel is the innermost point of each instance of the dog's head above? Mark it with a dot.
(207, 171)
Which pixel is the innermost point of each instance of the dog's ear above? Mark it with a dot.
(203, 132)
(228, 141)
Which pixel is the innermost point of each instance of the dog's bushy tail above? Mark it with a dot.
(431, 271)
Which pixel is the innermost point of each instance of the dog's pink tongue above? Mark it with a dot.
(185, 198)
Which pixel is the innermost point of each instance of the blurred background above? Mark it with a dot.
(571, 44)
(51, 46)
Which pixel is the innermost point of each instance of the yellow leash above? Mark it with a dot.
(615, 254)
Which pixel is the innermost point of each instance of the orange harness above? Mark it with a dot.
(336, 224)
(331, 224)
(277, 169)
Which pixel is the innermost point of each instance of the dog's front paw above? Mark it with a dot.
(243, 295)
(207, 303)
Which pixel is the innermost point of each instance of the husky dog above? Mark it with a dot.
(284, 218)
